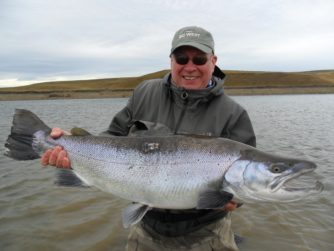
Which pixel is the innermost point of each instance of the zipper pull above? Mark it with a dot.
(184, 95)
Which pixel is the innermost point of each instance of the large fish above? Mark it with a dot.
(171, 171)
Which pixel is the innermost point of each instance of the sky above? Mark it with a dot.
(48, 40)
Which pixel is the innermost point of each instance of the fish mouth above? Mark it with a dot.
(300, 178)
(317, 187)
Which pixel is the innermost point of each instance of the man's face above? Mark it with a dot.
(192, 68)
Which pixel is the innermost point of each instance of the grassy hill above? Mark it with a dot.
(237, 83)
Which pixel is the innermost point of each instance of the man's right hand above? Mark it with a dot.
(57, 156)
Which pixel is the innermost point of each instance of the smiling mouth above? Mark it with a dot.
(189, 77)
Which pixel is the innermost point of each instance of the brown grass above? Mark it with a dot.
(237, 82)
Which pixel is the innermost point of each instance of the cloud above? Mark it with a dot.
(44, 39)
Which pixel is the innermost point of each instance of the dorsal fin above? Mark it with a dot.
(147, 128)
(77, 131)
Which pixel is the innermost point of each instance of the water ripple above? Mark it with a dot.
(35, 214)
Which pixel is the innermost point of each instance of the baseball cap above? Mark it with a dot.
(193, 36)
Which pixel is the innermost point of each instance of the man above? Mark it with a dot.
(189, 100)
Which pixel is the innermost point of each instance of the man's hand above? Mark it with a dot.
(231, 206)
(56, 156)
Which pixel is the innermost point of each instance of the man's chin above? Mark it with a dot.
(191, 85)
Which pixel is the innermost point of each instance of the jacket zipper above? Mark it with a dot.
(184, 97)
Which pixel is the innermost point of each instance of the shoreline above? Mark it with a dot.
(237, 83)
(124, 93)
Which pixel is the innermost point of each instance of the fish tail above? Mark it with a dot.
(20, 143)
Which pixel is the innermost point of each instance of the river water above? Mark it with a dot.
(35, 214)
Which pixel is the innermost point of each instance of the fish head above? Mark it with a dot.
(258, 176)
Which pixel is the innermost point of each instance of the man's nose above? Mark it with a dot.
(190, 66)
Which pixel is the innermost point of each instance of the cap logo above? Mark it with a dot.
(189, 34)
(193, 36)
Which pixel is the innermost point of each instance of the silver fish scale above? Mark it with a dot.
(159, 176)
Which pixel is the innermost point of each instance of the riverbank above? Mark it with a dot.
(237, 83)
(127, 93)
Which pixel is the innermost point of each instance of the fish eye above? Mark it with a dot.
(276, 169)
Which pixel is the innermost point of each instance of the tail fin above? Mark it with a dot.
(19, 142)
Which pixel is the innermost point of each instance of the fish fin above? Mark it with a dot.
(133, 213)
(238, 239)
(19, 144)
(68, 178)
(239, 204)
(147, 128)
(77, 131)
(211, 199)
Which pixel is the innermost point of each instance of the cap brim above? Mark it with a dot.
(199, 46)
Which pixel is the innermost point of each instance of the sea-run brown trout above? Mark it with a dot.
(168, 171)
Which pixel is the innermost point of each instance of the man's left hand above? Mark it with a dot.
(231, 206)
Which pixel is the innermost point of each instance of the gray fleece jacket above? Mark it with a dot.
(203, 112)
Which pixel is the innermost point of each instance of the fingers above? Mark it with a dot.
(66, 163)
(56, 132)
(45, 157)
(56, 157)
(230, 206)
(59, 161)
(62, 160)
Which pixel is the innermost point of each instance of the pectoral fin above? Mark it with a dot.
(68, 178)
(212, 199)
(133, 213)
